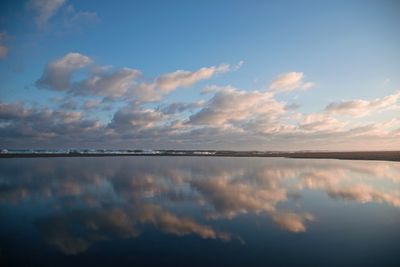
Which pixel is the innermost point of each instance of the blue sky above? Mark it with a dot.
(296, 74)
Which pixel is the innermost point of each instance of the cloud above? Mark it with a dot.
(179, 107)
(169, 82)
(74, 20)
(238, 66)
(317, 122)
(57, 74)
(292, 222)
(292, 106)
(69, 18)
(181, 78)
(134, 119)
(361, 108)
(102, 81)
(108, 84)
(20, 122)
(289, 82)
(230, 119)
(45, 9)
(118, 83)
(230, 106)
(92, 104)
(224, 117)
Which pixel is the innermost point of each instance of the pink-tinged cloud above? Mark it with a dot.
(289, 82)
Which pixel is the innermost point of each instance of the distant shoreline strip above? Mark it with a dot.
(367, 155)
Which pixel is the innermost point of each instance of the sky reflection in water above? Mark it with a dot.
(199, 211)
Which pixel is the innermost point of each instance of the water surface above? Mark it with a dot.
(169, 211)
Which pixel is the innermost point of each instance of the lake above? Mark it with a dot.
(199, 211)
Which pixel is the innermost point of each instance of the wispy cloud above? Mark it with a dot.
(289, 82)
(45, 9)
(169, 82)
(361, 107)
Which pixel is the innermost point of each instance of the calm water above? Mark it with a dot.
(177, 211)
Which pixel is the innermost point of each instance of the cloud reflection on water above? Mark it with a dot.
(108, 198)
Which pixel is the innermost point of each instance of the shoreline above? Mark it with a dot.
(348, 155)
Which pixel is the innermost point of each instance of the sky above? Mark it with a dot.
(244, 75)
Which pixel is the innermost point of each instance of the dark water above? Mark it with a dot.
(177, 211)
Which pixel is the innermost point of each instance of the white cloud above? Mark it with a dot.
(58, 73)
(316, 122)
(39, 124)
(108, 84)
(361, 108)
(181, 78)
(290, 81)
(230, 118)
(118, 83)
(232, 106)
(169, 82)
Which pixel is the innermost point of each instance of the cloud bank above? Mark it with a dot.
(102, 106)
